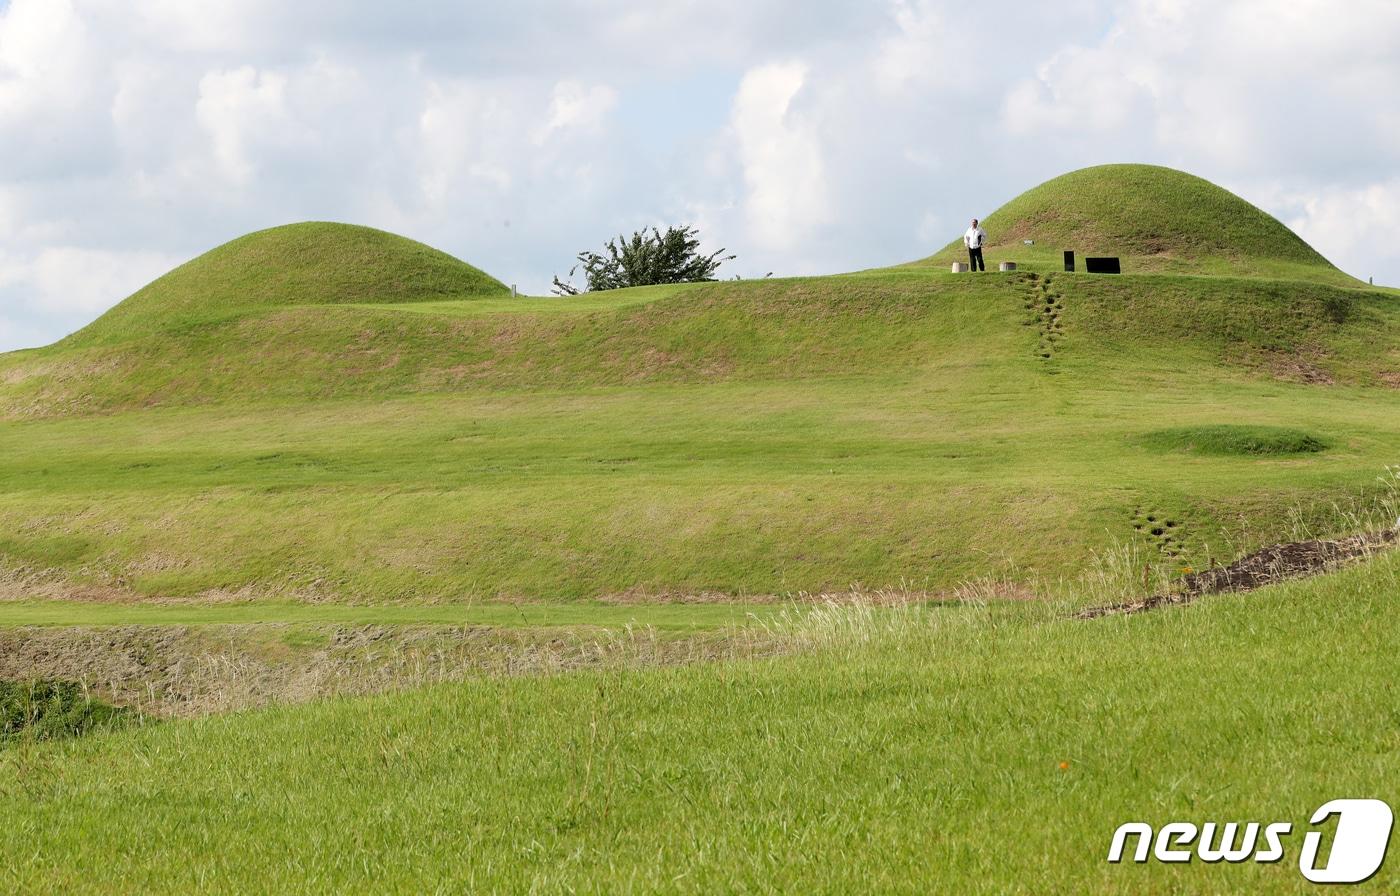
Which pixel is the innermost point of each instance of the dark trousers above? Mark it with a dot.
(974, 260)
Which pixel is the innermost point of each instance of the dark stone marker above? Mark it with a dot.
(1102, 266)
(1069, 262)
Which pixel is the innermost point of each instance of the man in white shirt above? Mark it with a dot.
(973, 239)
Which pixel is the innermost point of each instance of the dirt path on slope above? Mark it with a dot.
(1276, 563)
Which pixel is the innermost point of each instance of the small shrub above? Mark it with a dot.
(47, 710)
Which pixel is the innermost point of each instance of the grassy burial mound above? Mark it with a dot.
(334, 412)
(874, 324)
(253, 317)
(313, 263)
(1155, 219)
(317, 311)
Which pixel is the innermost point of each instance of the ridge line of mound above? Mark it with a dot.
(311, 263)
(1153, 218)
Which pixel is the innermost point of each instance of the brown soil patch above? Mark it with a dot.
(1297, 368)
(23, 583)
(1275, 563)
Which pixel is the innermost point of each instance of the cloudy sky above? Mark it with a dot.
(807, 137)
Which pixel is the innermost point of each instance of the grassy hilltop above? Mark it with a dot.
(1155, 219)
(228, 428)
(296, 265)
(323, 459)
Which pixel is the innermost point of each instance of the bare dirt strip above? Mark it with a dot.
(1276, 563)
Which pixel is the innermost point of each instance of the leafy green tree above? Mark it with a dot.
(645, 259)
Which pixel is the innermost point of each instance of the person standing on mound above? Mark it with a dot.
(973, 239)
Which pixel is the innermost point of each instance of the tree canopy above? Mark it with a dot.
(647, 258)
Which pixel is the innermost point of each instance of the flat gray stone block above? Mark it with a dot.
(959, 267)
(1007, 266)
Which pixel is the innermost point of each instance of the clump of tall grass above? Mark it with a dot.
(1374, 509)
(1120, 573)
(50, 710)
(1233, 439)
(892, 618)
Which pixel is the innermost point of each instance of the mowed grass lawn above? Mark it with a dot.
(969, 458)
(907, 751)
(734, 489)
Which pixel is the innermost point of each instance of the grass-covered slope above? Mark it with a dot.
(313, 263)
(1233, 439)
(751, 438)
(1155, 219)
(314, 311)
(956, 750)
(704, 333)
(378, 430)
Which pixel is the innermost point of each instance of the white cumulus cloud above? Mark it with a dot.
(239, 109)
(805, 137)
(67, 278)
(786, 196)
(575, 106)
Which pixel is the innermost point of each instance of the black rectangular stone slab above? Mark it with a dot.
(1069, 262)
(1102, 266)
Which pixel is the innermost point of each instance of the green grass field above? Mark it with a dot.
(910, 751)
(795, 436)
(861, 511)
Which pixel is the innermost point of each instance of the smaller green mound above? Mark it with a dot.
(1155, 219)
(313, 263)
(1228, 439)
(49, 710)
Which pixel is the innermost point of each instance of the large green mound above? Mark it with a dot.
(1156, 219)
(892, 323)
(307, 427)
(313, 263)
(318, 311)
